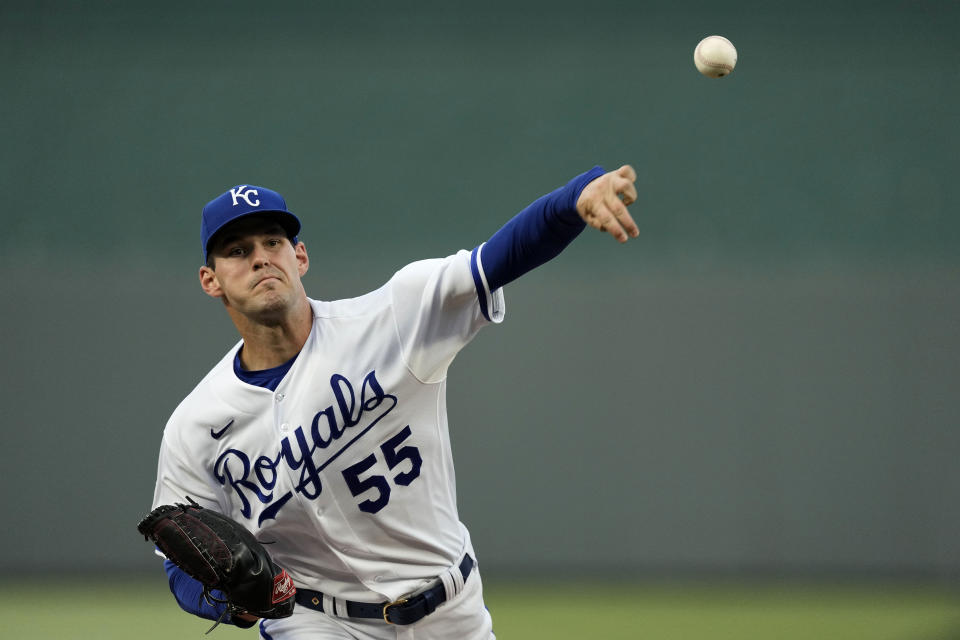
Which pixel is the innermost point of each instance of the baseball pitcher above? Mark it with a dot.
(322, 434)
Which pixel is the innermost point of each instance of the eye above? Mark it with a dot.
(235, 251)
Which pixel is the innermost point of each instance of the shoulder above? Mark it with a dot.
(426, 268)
(413, 275)
(452, 273)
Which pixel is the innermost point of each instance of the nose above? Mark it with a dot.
(260, 258)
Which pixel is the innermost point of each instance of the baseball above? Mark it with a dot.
(715, 56)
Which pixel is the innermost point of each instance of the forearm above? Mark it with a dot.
(536, 234)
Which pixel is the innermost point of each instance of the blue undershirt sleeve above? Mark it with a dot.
(536, 234)
(189, 594)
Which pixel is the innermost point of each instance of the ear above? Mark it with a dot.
(209, 282)
(303, 260)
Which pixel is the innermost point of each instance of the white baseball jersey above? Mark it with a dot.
(346, 468)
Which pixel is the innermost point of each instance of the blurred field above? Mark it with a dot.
(143, 610)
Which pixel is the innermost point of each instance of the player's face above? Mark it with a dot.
(256, 270)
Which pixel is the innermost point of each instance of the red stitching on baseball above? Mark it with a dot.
(715, 65)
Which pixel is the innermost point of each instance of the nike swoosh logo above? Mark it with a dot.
(219, 434)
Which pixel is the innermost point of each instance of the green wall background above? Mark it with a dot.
(764, 383)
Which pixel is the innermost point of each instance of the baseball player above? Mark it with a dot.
(324, 429)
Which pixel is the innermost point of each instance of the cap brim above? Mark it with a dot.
(289, 222)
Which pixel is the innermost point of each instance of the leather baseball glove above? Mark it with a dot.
(222, 555)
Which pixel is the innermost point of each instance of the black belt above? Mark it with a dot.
(402, 611)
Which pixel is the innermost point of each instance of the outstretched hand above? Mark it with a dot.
(603, 203)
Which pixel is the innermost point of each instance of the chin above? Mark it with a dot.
(274, 304)
(267, 304)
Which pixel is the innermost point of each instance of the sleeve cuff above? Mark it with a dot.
(491, 302)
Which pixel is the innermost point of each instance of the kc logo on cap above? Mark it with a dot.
(238, 192)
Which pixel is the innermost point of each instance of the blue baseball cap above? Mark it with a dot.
(244, 200)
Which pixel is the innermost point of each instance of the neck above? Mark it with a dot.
(270, 343)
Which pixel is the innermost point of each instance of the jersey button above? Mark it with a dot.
(280, 397)
(284, 427)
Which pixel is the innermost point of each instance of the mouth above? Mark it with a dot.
(265, 279)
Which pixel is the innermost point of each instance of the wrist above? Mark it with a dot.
(569, 194)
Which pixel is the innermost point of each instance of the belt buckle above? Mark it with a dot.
(387, 606)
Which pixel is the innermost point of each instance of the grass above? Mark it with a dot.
(143, 610)
(725, 613)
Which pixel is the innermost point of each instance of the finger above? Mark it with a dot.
(605, 220)
(595, 217)
(626, 171)
(624, 219)
(627, 192)
(600, 218)
(624, 177)
(617, 221)
(613, 227)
